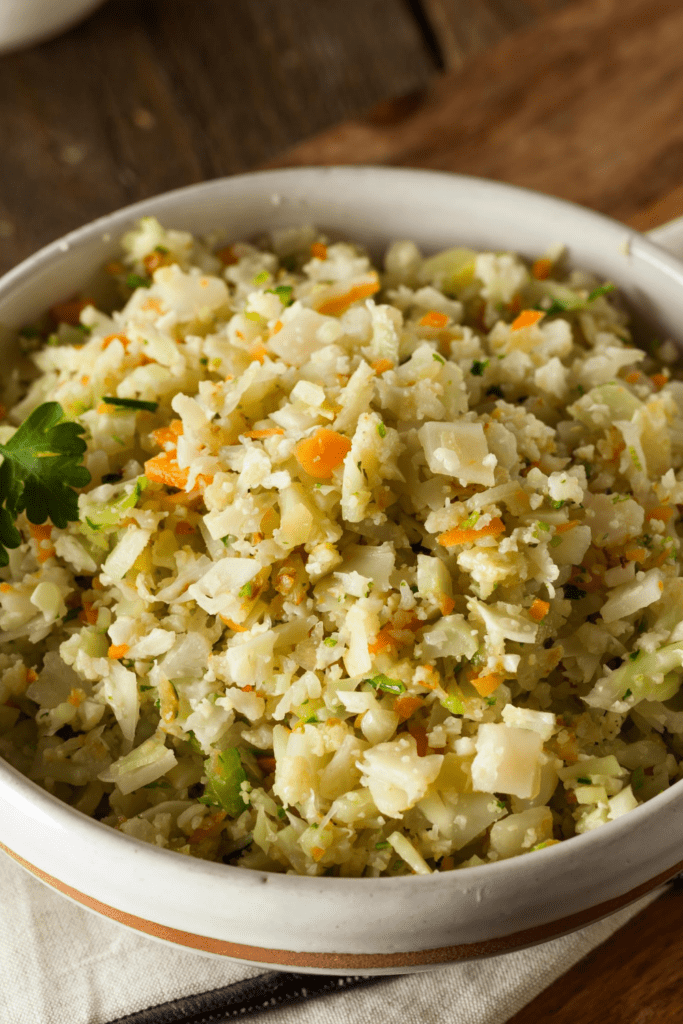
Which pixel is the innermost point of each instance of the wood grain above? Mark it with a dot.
(464, 29)
(585, 104)
(634, 978)
(147, 96)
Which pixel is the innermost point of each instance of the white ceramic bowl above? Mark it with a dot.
(384, 925)
(23, 22)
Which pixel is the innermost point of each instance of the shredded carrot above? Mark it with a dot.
(169, 434)
(395, 633)
(40, 531)
(527, 318)
(277, 327)
(31, 675)
(209, 828)
(659, 379)
(115, 267)
(6, 588)
(452, 537)
(446, 604)
(407, 706)
(662, 512)
(234, 625)
(259, 352)
(319, 251)
(320, 454)
(183, 528)
(419, 734)
(317, 852)
(661, 559)
(340, 303)
(117, 651)
(85, 381)
(381, 366)
(89, 614)
(541, 268)
(434, 319)
(564, 527)
(69, 312)
(164, 469)
(152, 304)
(485, 685)
(257, 434)
(106, 342)
(619, 447)
(266, 764)
(153, 260)
(635, 554)
(75, 698)
(539, 609)
(633, 377)
(227, 255)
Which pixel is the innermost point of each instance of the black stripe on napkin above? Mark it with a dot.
(252, 995)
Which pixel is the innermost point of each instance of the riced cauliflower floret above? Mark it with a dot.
(507, 760)
(396, 777)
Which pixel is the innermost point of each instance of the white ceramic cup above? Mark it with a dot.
(366, 926)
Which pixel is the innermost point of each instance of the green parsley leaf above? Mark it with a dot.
(383, 845)
(41, 468)
(627, 694)
(329, 641)
(604, 289)
(246, 590)
(130, 403)
(381, 430)
(584, 781)
(283, 292)
(557, 504)
(134, 281)
(478, 367)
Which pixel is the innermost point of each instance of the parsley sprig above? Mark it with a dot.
(41, 466)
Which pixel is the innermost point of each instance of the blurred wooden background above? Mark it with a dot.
(579, 98)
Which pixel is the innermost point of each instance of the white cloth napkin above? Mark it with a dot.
(61, 964)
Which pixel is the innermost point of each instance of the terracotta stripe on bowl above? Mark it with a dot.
(352, 961)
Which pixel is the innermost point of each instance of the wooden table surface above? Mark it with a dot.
(579, 98)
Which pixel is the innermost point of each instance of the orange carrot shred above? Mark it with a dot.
(485, 685)
(317, 852)
(259, 352)
(183, 528)
(446, 604)
(226, 255)
(539, 609)
(320, 454)
(527, 318)
(434, 319)
(381, 366)
(234, 625)
(31, 675)
(564, 527)
(40, 531)
(209, 828)
(277, 327)
(633, 377)
(164, 469)
(406, 706)
(456, 536)
(117, 651)
(270, 432)
(266, 764)
(319, 251)
(5, 588)
(541, 268)
(635, 554)
(340, 303)
(89, 614)
(659, 379)
(662, 512)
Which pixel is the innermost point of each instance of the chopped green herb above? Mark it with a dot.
(283, 292)
(555, 541)
(495, 391)
(330, 641)
(134, 281)
(634, 655)
(71, 615)
(478, 367)
(130, 403)
(542, 525)
(584, 781)
(203, 361)
(604, 289)
(381, 430)
(281, 813)
(262, 277)
(491, 701)
(634, 457)
(229, 539)
(384, 845)
(627, 694)
(452, 701)
(437, 358)
(558, 504)
(637, 778)
(41, 467)
(386, 684)
(470, 522)
(246, 590)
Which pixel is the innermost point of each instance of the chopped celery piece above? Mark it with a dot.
(110, 513)
(225, 775)
(649, 677)
(386, 684)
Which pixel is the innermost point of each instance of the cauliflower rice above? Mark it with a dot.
(385, 580)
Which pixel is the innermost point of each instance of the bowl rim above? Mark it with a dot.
(64, 817)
